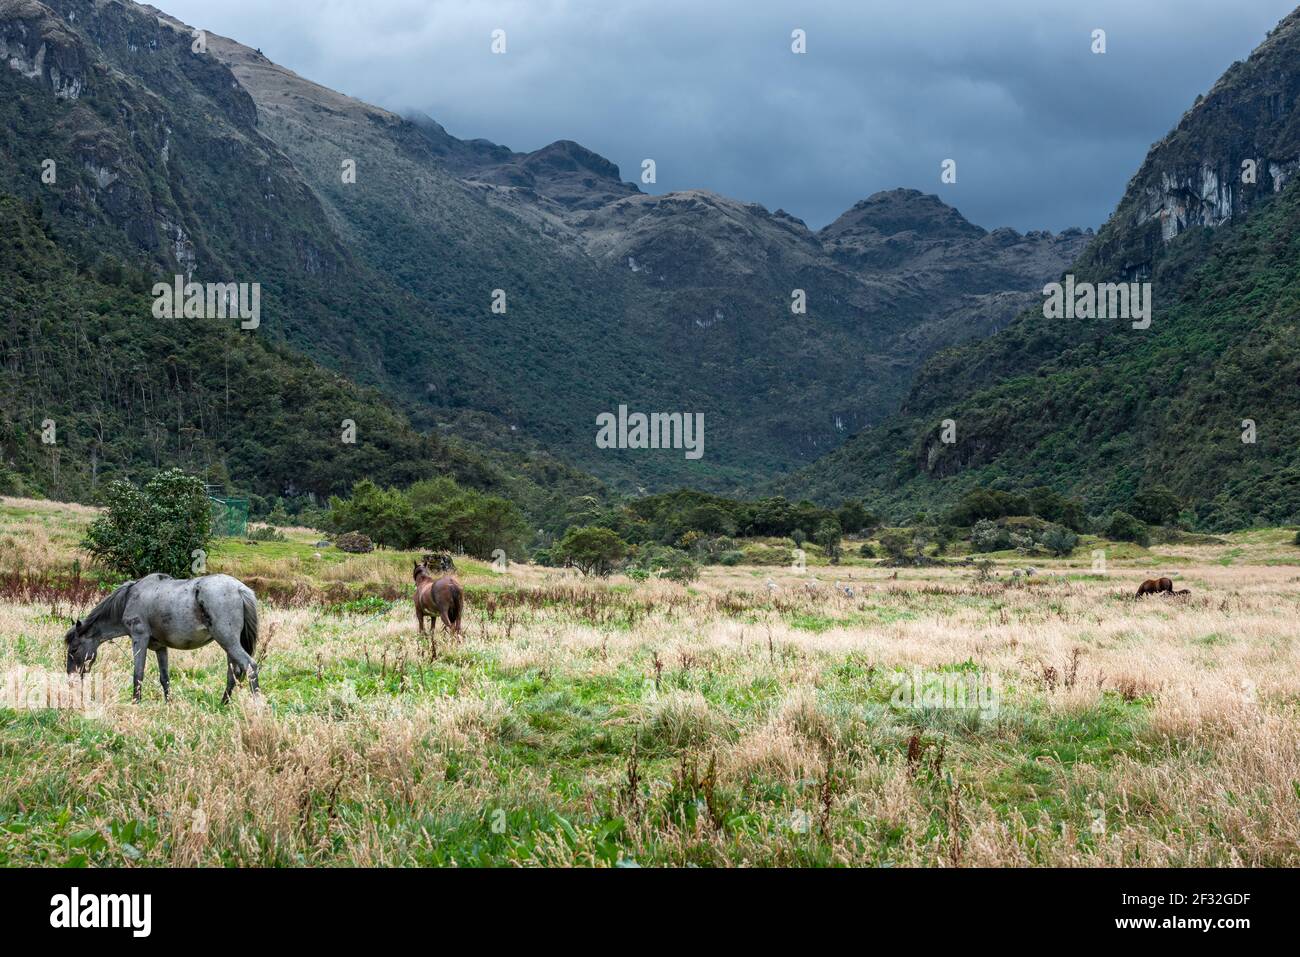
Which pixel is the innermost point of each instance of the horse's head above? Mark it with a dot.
(82, 648)
(421, 571)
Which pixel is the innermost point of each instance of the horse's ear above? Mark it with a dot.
(78, 622)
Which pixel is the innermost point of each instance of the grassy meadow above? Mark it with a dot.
(750, 719)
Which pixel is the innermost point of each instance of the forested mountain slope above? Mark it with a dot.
(1096, 408)
(90, 392)
(177, 152)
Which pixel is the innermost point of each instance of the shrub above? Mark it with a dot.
(828, 536)
(1022, 541)
(354, 542)
(659, 561)
(157, 528)
(895, 542)
(986, 503)
(591, 550)
(433, 514)
(853, 517)
(1156, 505)
(988, 536)
(1059, 540)
(265, 533)
(382, 515)
(866, 551)
(11, 483)
(1123, 527)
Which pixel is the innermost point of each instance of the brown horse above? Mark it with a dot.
(442, 597)
(1153, 586)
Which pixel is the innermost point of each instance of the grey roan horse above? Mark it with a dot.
(161, 612)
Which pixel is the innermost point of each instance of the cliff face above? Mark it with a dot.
(38, 46)
(1099, 409)
(1238, 145)
(223, 165)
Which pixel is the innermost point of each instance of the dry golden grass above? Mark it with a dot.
(580, 723)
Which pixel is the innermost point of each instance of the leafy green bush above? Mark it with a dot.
(154, 529)
(989, 536)
(1059, 540)
(854, 517)
(592, 550)
(895, 543)
(1156, 505)
(436, 514)
(660, 561)
(11, 483)
(986, 503)
(828, 536)
(1123, 527)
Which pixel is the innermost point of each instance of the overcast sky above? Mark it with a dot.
(1045, 133)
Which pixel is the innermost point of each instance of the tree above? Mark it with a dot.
(828, 536)
(154, 529)
(895, 542)
(1123, 527)
(659, 561)
(592, 550)
(981, 503)
(385, 515)
(854, 517)
(989, 536)
(1048, 504)
(1156, 505)
(1059, 540)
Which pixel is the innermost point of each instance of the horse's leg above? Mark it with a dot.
(230, 681)
(243, 663)
(164, 676)
(419, 617)
(139, 653)
(225, 631)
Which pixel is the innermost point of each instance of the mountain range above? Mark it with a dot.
(473, 309)
(381, 243)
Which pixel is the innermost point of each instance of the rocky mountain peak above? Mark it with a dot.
(895, 211)
(1236, 146)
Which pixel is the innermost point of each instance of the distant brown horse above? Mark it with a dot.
(1153, 586)
(437, 596)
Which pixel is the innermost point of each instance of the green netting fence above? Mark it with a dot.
(229, 516)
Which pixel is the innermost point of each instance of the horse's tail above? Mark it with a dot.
(457, 604)
(248, 634)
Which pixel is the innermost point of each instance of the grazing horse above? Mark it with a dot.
(160, 612)
(1154, 585)
(441, 596)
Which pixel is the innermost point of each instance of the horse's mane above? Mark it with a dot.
(114, 604)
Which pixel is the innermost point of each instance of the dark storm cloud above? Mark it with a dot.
(1045, 133)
